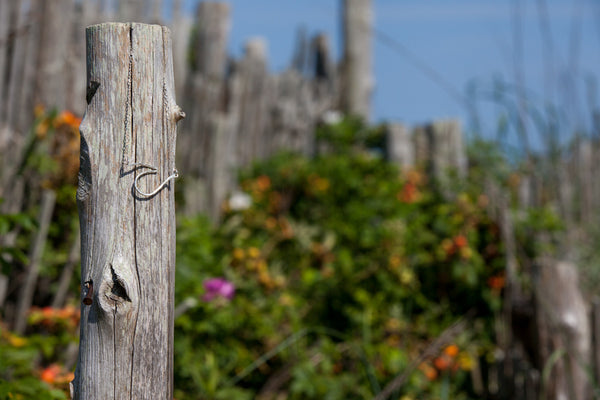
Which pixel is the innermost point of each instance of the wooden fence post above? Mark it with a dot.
(127, 237)
(251, 90)
(204, 97)
(357, 76)
(400, 149)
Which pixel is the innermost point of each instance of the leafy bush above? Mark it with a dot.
(345, 270)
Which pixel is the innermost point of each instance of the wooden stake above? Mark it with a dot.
(357, 74)
(127, 238)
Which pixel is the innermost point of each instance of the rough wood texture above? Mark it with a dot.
(357, 65)
(127, 240)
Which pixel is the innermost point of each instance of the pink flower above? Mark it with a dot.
(218, 287)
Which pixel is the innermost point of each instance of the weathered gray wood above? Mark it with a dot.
(293, 115)
(221, 171)
(5, 40)
(400, 149)
(53, 53)
(565, 313)
(251, 89)
(447, 148)
(74, 65)
(127, 239)
(181, 27)
(204, 96)
(205, 84)
(35, 256)
(67, 273)
(16, 87)
(440, 149)
(358, 80)
(595, 312)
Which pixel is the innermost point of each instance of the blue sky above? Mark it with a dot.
(464, 43)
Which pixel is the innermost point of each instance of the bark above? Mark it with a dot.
(127, 238)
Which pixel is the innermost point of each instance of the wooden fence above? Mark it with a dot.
(238, 111)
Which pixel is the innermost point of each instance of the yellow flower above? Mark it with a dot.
(16, 341)
(466, 253)
(321, 184)
(253, 252)
(465, 361)
(407, 276)
(238, 253)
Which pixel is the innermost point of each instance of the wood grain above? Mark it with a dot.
(127, 240)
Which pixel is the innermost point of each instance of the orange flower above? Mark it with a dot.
(460, 241)
(451, 350)
(68, 118)
(442, 363)
(409, 194)
(263, 183)
(50, 374)
(496, 282)
(430, 372)
(48, 312)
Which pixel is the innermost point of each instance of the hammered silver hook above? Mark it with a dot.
(153, 171)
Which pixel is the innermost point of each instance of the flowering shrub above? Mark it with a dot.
(345, 269)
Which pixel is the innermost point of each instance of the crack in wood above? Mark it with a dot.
(118, 293)
(85, 171)
(91, 91)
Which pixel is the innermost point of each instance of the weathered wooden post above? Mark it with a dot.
(400, 149)
(127, 215)
(357, 75)
(204, 95)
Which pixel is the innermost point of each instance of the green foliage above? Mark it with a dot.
(20, 376)
(32, 366)
(345, 270)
